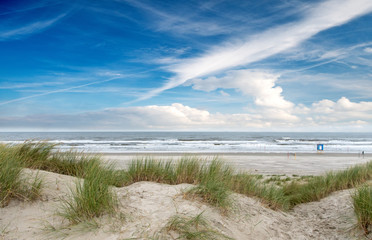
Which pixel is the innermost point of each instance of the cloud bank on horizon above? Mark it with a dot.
(227, 65)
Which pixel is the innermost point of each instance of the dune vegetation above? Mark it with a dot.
(13, 184)
(92, 197)
(214, 180)
(196, 227)
(362, 203)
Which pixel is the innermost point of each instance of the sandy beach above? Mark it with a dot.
(261, 163)
(145, 209)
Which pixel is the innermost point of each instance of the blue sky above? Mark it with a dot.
(117, 65)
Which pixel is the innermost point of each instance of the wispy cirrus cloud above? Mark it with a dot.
(27, 29)
(35, 5)
(317, 52)
(59, 90)
(14, 86)
(368, 50)
(316, 18)
(191, 23)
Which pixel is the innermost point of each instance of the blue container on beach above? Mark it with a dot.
(320, 147)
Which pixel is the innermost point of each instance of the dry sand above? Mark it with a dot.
(263, 163)
(147, 207)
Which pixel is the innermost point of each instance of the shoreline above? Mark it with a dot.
(145, 202)
(258, 163)
(167, 153)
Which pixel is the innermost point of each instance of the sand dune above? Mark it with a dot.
(146, 208)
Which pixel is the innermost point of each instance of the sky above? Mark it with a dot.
(213, 65)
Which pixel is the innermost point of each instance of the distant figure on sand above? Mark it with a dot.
(362, 154)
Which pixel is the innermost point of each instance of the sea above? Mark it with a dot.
(198, 142)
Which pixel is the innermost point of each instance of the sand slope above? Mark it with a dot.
(146, 208)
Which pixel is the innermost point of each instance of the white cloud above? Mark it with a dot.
(180, 117)
(333, 54)
(317, 18)
(368, 50)
(270, 104)
(173, 117)
(61, 90)
(181, 24)
(260, 85)
(223, 93)
(343, 104)
(176, 115)
(34, 5)
(343, 110)
(29, 29)
(318, 55)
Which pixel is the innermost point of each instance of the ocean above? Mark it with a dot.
(202, 142)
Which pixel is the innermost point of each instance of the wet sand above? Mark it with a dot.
(262, 163)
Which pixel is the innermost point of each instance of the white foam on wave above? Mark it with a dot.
(265, 143)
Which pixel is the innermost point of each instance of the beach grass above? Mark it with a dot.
(319, 187)
(193, 228)
(12, 184)
(213, 184)
(211, 178)
(215, 179)
(149, 169)
(91, 197)
(185, 170)
(43, 156)
(270, 194)
(189, 169)
(362, 203)
(212, 192)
